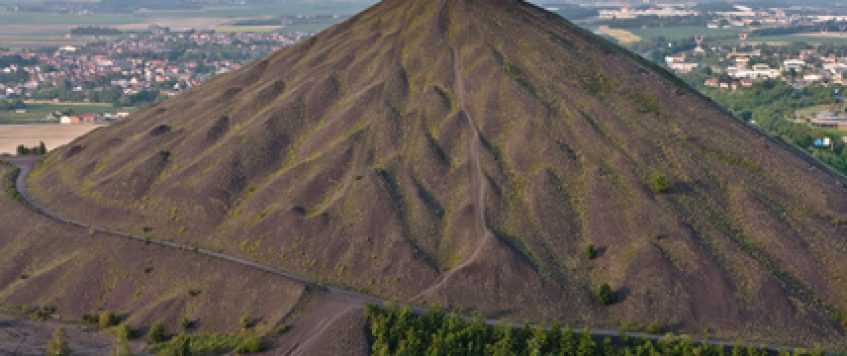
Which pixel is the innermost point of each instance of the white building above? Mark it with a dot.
(628, 13)
(795, 64)
(758, 71)
(683, 67)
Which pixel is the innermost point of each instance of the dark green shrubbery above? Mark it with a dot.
(156, 334)
(209, 344)
(605, 294)
(399, 331)
(591, 252)
(41, 149)
(107, 319)
(11, 184)
(659, 183)
(58, 345)
(121, 346)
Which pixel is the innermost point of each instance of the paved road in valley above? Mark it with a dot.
(27, 163)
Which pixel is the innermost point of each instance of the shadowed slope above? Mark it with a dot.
(465, 152)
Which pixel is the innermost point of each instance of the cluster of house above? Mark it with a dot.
(739, 16)
(665, 10)
(86, 118)
(679, 64)
(138, 61)
(742, 69)
(833, 117)
(743, 16)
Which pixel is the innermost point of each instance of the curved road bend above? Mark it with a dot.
(27, 163)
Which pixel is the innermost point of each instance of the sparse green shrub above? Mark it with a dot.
(156, 334)
(586, 344)
(209, 344)
(281, 329)
(11, 184)
(605, 294)
(91, 318)
(121, 346)
(590, 252)
(58, 345)
(107, 319)
(44, 312)
(655, 327)
(180, 346)
(244, 322)
(250, 343)
(122, 331)
(659, 183)
(185, 324)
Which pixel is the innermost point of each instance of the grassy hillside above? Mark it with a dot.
(465, 153)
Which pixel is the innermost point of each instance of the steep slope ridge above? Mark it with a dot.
(464, 152)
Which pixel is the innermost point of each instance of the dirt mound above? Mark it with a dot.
(47, 265)
(466, 152)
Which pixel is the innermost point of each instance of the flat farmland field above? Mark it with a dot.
(37, 111)
(53, 135)
(619, 34)
(682, 32)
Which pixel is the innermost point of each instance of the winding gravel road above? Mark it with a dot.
(27, 163)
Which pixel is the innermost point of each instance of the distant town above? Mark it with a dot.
(126, 71)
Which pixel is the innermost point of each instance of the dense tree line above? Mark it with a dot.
(399, 331)
(41, 149)
(576, 12)
(95, 31)
(656, 21)
(64, 91)
(6, 105)
(773, 31)
(16, 59)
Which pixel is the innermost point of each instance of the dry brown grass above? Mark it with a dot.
(621, 35)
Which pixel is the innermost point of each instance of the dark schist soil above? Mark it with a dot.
(24, 337)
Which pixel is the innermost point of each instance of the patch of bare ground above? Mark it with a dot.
(329, 324)
(23, 337)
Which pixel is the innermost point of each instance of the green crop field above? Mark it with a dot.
(681, 32)
(787, 39)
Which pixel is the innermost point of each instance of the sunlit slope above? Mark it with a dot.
(466, 152)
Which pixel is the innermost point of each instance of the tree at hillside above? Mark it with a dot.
(121, 347)
(156, 334)
(605, 295)
(58, 345)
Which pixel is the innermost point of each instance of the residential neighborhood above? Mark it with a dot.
(136, 68)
